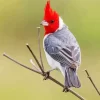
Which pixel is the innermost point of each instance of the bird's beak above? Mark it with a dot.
(44, 23)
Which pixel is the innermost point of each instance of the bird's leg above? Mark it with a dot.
(47, 73)
(65, 89)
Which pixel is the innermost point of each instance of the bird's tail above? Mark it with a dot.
(71, 78)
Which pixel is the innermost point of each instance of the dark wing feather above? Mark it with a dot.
(62, 57)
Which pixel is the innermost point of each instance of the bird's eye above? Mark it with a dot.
(52, 21)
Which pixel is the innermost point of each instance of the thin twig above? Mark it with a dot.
(92, 81)
(21, 64)
(38, 28)
(35, 58)
(31, 61)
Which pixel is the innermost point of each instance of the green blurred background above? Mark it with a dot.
(18, 22)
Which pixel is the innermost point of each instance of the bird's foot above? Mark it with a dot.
(65, 89)
(46, 75)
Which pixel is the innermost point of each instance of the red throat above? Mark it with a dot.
(50, 16)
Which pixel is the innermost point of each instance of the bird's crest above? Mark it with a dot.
(51, 17)
(49, 12)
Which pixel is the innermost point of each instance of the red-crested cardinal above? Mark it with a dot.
(61, 47)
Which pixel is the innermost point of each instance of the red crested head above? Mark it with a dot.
(51, 19)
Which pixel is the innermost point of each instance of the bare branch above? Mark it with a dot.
(21, 64)
(52, 79)
(92, 81)
(35, 58)
(38, 28)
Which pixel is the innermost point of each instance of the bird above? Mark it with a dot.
(61, 48)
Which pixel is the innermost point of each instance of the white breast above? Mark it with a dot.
(50, 60)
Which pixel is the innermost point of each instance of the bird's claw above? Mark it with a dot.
(46, 75)
(65, 89)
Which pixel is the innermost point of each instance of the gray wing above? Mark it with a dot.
(60, 51)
